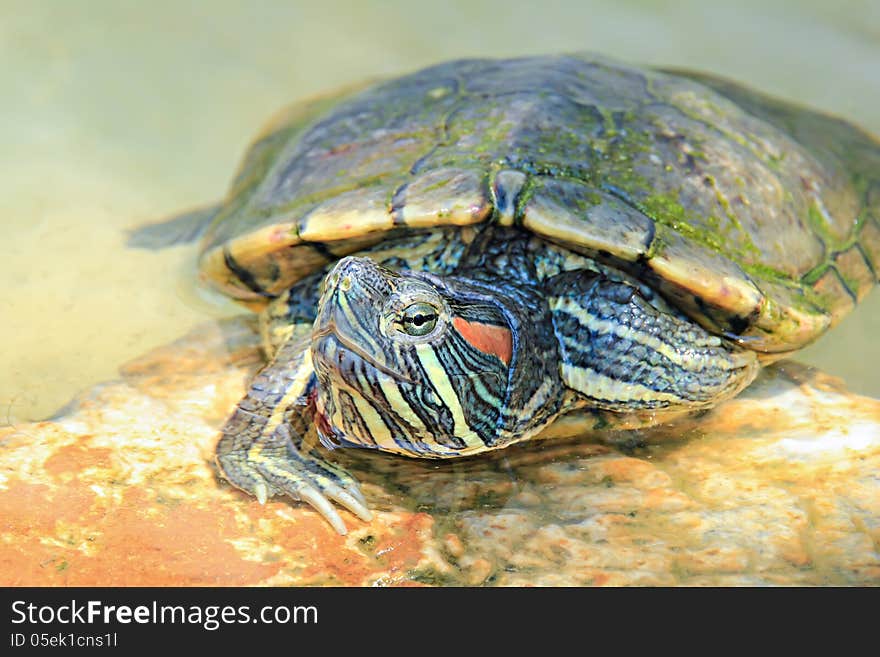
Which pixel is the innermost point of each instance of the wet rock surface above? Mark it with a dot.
(780, 486)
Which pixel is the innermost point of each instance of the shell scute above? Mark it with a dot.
(756, 217)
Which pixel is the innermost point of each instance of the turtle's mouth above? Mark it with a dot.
(329, 330)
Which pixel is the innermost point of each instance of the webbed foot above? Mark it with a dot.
(260, 448)
(273, 465)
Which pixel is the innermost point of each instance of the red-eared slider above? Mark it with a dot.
(449, 261)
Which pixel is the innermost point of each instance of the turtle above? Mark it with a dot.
(469, 255)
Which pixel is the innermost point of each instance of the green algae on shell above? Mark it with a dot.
(758, 218)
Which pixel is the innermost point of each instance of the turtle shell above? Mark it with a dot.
(759, 219)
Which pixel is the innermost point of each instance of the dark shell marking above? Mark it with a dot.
(758, 219)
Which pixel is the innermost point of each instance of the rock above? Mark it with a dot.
(778, 486)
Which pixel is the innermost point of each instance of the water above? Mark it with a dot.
(119, 113)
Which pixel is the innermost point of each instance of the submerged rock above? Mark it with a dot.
(778, 486)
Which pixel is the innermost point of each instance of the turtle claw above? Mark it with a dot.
(317, 483)
(261, 492)
(349, 500)
(320, 503)
(274, 466)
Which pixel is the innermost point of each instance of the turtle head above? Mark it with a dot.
(409, 362)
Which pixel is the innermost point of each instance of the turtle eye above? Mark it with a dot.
(419, 319)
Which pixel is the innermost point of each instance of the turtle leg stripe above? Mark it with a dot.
(257, 450)
(623, 353)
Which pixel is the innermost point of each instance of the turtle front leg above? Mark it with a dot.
(258, 453)
(626, 350)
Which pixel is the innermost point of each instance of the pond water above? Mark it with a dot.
(120, 113)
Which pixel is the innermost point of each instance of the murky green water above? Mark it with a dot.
(117, 113)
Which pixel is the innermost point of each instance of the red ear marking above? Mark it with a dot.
(487, 338)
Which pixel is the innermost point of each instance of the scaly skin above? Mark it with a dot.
(260, 447)
(585, 236)
(758, 218)
(497, 352)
